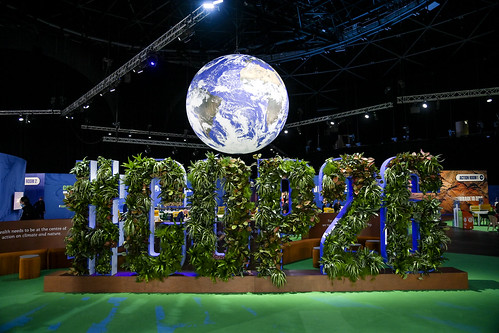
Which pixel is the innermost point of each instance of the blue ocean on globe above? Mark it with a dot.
(237, 104)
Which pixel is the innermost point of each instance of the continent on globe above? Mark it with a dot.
(207, 112)
(237, 104)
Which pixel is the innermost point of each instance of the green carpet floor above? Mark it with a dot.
(24, 307)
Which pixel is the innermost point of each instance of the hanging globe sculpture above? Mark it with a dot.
(237, 104)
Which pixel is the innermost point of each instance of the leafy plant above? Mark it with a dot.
(236, 219)
(139, 173)
(77, 200)
(203, 176)
(106, 233)
(276, 229)
(84, 243)
(400, 212)
(338, 259)
(171, 177)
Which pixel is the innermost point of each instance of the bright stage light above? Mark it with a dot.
(424, 105)
(212, 4)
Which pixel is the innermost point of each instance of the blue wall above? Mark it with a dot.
(12, 171)
(52, 191)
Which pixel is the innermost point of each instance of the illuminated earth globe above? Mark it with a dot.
(237, 104)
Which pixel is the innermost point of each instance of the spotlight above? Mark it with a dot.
(489, 100)
(366, 115)
(286, 131)
(331, 122)
(424, 105)
(21, 118)
(129, 135)
(86, 106)
(211, 4)
(152, 61)
(109, 134)
(112, 90)
(149, 137)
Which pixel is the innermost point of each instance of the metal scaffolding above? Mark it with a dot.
(154, 142)
(387, 14)
(28, 112)
(133, 131)
(340, 115)
(109, 82)
(483, 92)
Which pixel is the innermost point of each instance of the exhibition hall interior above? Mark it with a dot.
(220, 165)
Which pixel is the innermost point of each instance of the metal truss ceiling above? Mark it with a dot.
(334, 56)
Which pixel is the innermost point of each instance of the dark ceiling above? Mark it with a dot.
(334, 56)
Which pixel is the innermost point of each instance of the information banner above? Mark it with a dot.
(468, 187)
(33, 234)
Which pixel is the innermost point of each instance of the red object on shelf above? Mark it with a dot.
(467, 220)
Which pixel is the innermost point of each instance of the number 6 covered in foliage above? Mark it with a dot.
(421, 173)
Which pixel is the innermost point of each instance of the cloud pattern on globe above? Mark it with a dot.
(237, 104)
